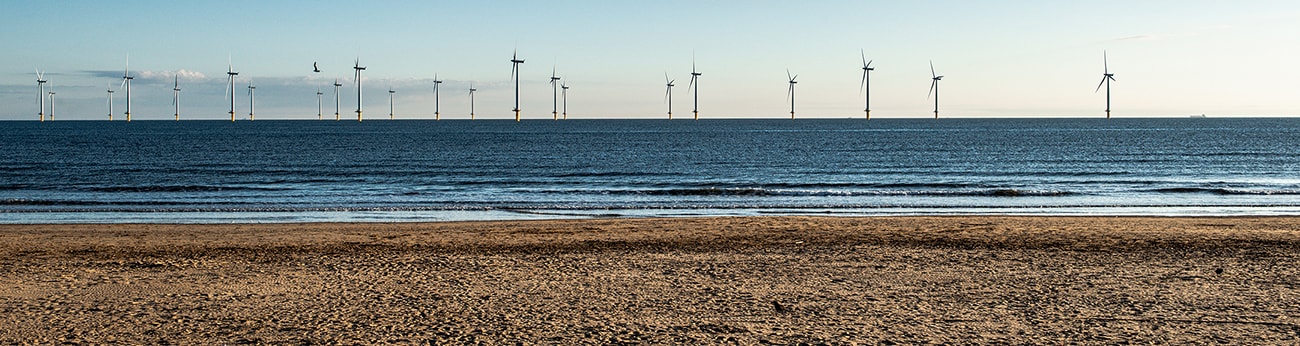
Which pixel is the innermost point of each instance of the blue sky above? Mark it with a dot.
(999, 58)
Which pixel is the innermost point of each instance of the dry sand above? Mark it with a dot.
(750, 280)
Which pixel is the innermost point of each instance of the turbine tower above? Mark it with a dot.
(555, 97)
(790, 95)
(934, 88)
(230, 88)
(176, 96)
(126, 83)
(1106, 77)
(110, 102)
(694, 77)
(319, 116)
(471, 100)
(40, 93)
(251, 100)
(668, 95)
(514, 74)
(357, 66)
(436, 83)
(866, 82)
(336, 98)
(564, 92)
(390, 102)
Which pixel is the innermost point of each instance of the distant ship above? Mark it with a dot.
(1202, 115)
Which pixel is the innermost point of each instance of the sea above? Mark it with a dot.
(425, 170)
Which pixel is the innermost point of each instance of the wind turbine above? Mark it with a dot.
(1106, 77)
(51, 102)
(514, 74)
(126, 83)
(230, 88)
(564, 92)
(555, 100)
(790, 95)
(471, 100)
(40, 93)
(319, 116)
(436, 83)
(110, 102)
(336, 98)
(668, 94)
(251, 100)
(357, 66)
(866, 82)
(695, 76)
(390, 102)
(934, 88)
(176, 96)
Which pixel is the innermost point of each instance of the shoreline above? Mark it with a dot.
(745, 279)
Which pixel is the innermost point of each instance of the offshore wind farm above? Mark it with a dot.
(834, 204)
(1038, 78)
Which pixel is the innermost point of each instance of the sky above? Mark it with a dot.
(998, 58)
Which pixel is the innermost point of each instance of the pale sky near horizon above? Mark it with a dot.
(999, 58)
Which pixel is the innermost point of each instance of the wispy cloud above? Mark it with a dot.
(1143, 37)
(149, 75)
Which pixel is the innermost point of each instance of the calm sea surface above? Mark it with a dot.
(291, 171)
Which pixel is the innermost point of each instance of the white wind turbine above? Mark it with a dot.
(514, 74)
(1106, 77)
(866, 82)
(336, 98)
(390, 102)
(110, 102)
(555, 99)
(126, 83)
(695, 109)
(668, 95)
(357, 81)
(790, 95)
(40, 93)
(51, 102)
(176, 96)
(437, 115)
(564, 92)
(251, 99)
(230, 87)
(934, 88)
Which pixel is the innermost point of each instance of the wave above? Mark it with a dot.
(1226, 191)
(181, 188)
(753, 191)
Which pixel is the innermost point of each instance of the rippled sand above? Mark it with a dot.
(744, 280)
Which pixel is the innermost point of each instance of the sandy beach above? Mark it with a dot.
(745, 280)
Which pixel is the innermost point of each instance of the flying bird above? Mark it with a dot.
(314, 68)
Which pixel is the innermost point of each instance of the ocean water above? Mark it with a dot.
(418, 170)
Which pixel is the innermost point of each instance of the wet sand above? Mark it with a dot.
(746, 280)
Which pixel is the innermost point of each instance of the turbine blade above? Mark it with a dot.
(932, 74)
(869, 63)
(787, 74)
(932, 85)
(1105, 63)
(1103, 81)
(864, 81)
(864, 57)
